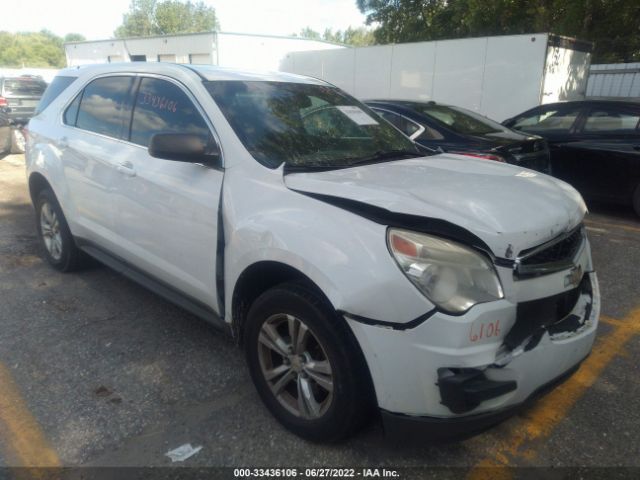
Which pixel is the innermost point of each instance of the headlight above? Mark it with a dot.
(452, 276)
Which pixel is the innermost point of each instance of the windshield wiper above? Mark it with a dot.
(293, 168)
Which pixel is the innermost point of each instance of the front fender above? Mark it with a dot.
(344, 254)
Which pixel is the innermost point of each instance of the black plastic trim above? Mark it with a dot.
(220, 248)
(395, 326)
(570, 43)
(463, 389)
(504, 262)
(417, 223)
(406, 428)
(552, 314)
(158, 287)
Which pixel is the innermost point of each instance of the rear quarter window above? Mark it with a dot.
(52, 92)
(403, 124)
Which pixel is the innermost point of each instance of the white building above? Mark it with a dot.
(614, 80)
(235, 50)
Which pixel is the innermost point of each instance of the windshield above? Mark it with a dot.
(305, 125)
(460, 120)
(31, 87)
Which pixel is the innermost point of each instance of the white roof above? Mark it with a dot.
(207, 72)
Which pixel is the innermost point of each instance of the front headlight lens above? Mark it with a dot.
(452, 276)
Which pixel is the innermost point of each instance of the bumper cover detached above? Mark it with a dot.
(408, 428)
(436, 382)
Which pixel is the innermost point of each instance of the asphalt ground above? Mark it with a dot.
(97, 371)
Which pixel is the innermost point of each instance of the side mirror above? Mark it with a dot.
(185, 147)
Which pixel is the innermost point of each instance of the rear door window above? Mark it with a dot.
(554, 120)
(162, 107)
(611, 120)
(105, 105)
(460, 120)
(52, 92)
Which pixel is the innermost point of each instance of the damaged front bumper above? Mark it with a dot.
(443, 378)
(411, 428)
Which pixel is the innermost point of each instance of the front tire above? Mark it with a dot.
(53, 231)
(306, 364)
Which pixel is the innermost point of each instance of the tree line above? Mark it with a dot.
(613, 25)
(145, 17)
(34, 49)
(355, 37)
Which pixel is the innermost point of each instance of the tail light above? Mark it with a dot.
(485, 156)
(3, 102)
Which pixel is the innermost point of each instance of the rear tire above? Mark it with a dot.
(306, 364)
(18, 142)
(636, 200)
(53, 231)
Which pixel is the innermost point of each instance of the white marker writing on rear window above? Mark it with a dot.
(356, 115)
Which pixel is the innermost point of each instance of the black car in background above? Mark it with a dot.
(21, 96)
(594, 144)
(457, 130)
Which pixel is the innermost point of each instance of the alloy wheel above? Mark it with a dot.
(295, 366)
(50, 228)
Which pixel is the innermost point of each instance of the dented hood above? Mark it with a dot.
(508, 207)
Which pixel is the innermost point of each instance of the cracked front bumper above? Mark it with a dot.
(404, 364)
(410, 428)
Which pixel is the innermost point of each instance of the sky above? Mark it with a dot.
(98, 19)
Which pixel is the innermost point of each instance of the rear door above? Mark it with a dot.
(90, 144)
(168, 210)
(607, 152)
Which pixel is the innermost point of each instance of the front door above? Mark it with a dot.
(168, 210)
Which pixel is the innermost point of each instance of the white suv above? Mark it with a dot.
(357, 273)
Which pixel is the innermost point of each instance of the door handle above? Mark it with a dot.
(63, 142)
(126, 168)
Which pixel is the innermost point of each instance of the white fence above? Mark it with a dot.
(614, 80)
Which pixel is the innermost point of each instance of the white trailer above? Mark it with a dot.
(235, 50)
(497, 76)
